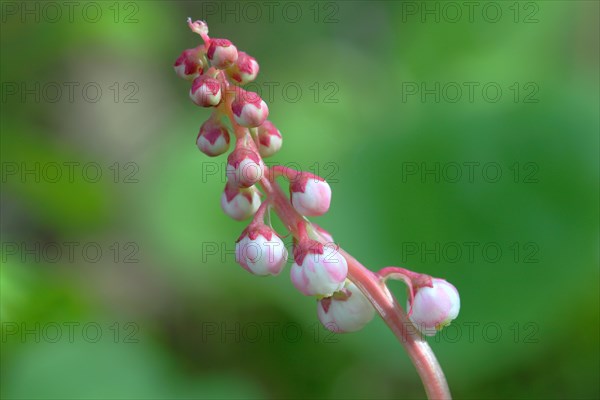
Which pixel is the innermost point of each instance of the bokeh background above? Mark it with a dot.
(98, 156)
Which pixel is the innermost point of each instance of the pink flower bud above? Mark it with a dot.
(205, 91)
(249, 109)
(345, 311)
(318, 270)
(310, 194)
(221, 53)
(260, 251)
(240, 203)
(244, 167)
(244, 70)
(434, 307)
(213, 138)
(269, 139)
(189, 64)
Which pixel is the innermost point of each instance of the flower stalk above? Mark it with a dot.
(347, 293)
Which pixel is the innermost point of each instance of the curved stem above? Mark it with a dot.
(378, 294)
(418, 349)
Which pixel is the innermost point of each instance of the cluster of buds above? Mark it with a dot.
(217, 70)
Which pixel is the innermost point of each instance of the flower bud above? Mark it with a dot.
(249, 109)
(213, 138)
(205, 91)
(244, 70)
(310, 194)
(260, 251)
(346, 311)
(244, 167)
(434, 307)
(240, 203)
(318, 270)
(189, 64)
(269, 139)
(221, 53)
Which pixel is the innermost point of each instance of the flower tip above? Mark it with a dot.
(199, 27)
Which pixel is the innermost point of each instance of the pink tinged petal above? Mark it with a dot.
(269, 139)
(314, 200)
(240, 204)
(244, 70)
(316, 277)
(244, 167)
(349, 313)
(260, 251)
(299, 279)
(189, 65)
(334, 264)
(213, 138)
(249, 109)
(222, 53)
(205, 91)
(435, 307)
(267, 256)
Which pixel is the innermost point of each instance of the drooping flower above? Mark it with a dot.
(244, 166)
(240, 203)
(269, 139)
(346, 311)
(213, 138)
(260, 251)
(310, 195)
(434, 307)
(318, 270)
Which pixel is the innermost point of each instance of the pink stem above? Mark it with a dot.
(388, 308)
(394, 316)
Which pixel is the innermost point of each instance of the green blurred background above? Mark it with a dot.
(164, 311)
